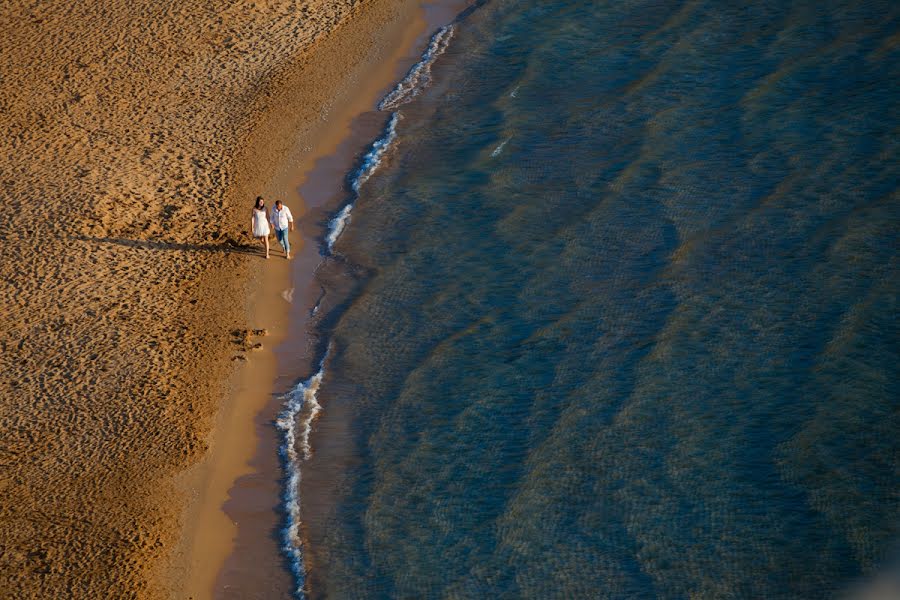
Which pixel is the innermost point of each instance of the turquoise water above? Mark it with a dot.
(617, 312)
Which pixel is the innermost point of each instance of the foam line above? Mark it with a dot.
(302, 396)
(370, 163)
(419, 76)
(337, 225)
(416, 80)
(372, 160)
(499, 148)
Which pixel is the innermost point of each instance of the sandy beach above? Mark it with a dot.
(133, 298)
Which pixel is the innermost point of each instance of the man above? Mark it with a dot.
(282, 221)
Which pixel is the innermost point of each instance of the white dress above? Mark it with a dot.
(260, 223)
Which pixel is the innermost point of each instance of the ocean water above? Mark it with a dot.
(613, 313)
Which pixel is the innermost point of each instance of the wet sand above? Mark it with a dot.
(137, 135)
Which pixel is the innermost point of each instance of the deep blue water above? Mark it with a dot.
(616, 316)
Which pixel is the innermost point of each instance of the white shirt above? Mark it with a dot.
(281, 218)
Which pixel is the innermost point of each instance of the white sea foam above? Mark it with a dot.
(336, 226)
(499, 148)
(370, 163)
(416, 80)
(300, 403)
(419, 75)
(372, 159)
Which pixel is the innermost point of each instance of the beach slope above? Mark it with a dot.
(132, 148)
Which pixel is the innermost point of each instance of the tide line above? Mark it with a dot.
(370, 163)
(287, 422)
(419, 76)
(416, 80)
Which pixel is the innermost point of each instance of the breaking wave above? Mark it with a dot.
(419, 75)
(300, 411)
(370, 164)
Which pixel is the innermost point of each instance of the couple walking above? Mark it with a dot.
(281, 219)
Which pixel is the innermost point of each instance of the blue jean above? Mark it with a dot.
(282, 236)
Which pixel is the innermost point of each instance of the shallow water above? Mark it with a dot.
(618, 312)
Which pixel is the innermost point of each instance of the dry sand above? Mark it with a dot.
(136, 134)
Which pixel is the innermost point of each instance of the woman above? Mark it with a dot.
(260, 223)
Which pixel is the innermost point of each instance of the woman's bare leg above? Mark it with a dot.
(266, 241)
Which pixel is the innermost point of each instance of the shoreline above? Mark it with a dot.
(237, 510)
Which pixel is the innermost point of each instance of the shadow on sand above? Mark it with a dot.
(227, 246)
